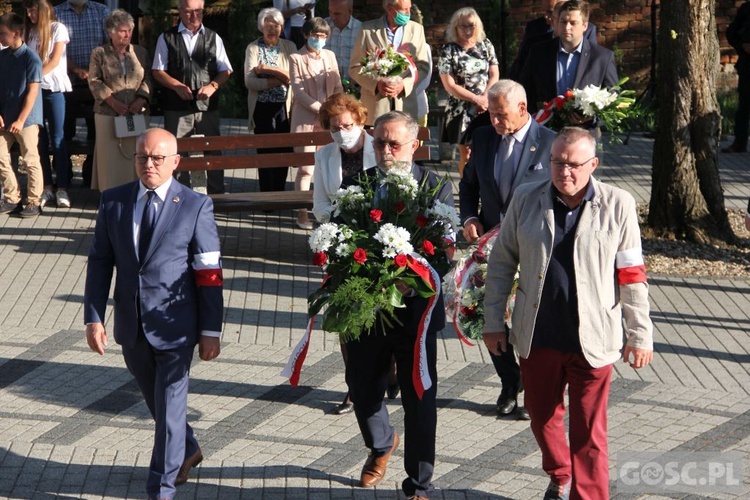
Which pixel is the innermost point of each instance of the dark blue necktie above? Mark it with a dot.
(148, 221)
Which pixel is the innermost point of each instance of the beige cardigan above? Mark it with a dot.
(607, 231)
(305, 105)
(106, 78)
(255, 84)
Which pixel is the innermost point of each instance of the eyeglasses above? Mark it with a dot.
(467, 27)
(344, 126)
(571, 166)
(193, 12)
(157, 159)
(394, 146)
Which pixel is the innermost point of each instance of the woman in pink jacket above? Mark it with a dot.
(315, 77)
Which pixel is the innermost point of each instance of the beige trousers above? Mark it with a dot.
(28, 139)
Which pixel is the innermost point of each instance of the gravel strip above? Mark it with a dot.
(681, 258)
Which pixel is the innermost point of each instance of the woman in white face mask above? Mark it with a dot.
(315, 77)
(350, 152)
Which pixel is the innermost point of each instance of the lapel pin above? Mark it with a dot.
(176, 199)
(532, 149)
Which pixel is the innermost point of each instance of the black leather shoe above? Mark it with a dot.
(522, 413)
(506, 402)
(506, 406)
(343, 408)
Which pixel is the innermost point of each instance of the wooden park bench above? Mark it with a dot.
(240, 151)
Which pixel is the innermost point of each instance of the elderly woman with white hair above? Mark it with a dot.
(268, 96)
(468, 67)
(119, 79)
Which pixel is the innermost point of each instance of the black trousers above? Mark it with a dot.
(508, 370)
(272, 118)
(367, 378)
(80, 103)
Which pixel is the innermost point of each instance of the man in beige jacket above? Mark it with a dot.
(582, 277)
(381, 95)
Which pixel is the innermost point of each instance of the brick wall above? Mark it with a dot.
(623, 26)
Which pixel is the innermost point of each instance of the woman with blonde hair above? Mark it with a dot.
(48, 38)
(468, 67)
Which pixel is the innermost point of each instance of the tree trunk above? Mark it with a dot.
(686, 194)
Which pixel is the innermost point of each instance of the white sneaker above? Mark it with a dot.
(47, 197)
(63, 201)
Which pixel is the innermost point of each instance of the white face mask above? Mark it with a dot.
(347, 139)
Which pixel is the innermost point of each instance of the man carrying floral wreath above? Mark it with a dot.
(395, 141)
(381, 94)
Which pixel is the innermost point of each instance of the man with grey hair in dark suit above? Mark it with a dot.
(512, 151)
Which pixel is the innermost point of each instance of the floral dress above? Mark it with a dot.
(470, 68)
(269, 55)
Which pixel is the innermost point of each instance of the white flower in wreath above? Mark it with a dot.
(395, 240)
(447, 215)
(323, 237)
(591, 99)
(344, 249)
(345, 234)
(403, 181)
(350, 198)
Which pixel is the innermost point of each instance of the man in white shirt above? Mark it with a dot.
(191, 63)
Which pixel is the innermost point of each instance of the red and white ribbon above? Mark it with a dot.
(461, 280)
(548, 111)
(404, 50)
(293, 367)
(420, 373)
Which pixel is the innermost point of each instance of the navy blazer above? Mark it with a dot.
(539, 74)
(174, 309)
(410, 316)
(538, 30)
(478, 182)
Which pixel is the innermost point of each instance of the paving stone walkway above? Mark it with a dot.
(73, 424)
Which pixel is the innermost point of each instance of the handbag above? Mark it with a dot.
(129, 125)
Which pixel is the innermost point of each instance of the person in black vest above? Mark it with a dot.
(191, 64)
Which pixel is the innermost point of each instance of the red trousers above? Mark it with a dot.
(545, 374)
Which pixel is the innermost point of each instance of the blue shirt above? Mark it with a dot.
(567, 66)
(86, 30)
(19, 68)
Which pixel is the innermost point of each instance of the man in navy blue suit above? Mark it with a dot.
(512, 151)
(162, 238)
(568, 62)
(542, 29)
